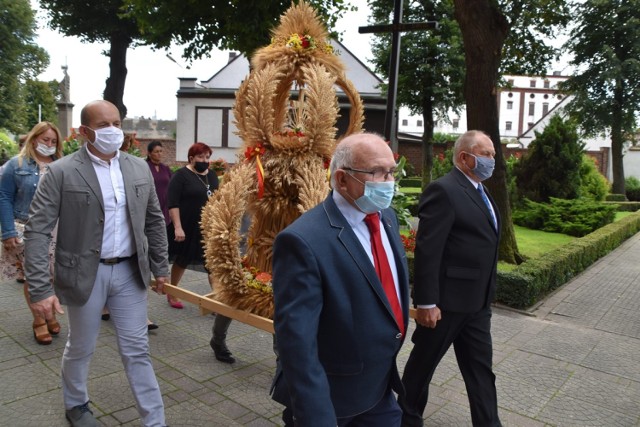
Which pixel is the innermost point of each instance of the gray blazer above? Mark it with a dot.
(69, 194)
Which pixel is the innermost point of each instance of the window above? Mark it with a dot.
(509, 105)
(405, 122)
(532, 83)
(419, 123)
(547, 84)
(456, 123)
(532, 108)
(545, 108)
(508, 125)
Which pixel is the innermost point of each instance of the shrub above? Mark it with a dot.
(592, 183)
(442, 164)
(8, 148)
(615, 198)
(532, 280)
(401, 201)
(414, 181)
(551, 166)
(573, 217)
(632, 188)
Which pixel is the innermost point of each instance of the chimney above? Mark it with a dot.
(232, 56)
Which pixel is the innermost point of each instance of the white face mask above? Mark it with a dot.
(45, 150)
(108, 140)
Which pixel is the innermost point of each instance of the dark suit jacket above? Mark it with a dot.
(456, 246)
(69, 194)
(336, 334)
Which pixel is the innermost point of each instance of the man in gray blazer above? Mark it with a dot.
(111, 237)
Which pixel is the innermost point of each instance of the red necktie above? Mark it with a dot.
(382, 267)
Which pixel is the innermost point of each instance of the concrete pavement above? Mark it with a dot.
(574, 360)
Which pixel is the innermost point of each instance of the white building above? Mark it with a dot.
(205, 109)
(523, 102)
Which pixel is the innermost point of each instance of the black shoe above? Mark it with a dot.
(222, 353)
(81, 416)
(105, 317)
(152, 326)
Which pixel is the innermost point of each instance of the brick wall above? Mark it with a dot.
(169, 147)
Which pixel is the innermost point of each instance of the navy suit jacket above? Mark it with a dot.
(456, 246)
(336, 335)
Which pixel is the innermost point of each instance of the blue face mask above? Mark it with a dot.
(484, 167)
(377, 195)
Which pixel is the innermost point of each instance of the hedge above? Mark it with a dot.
(626, 206)
(536, 278)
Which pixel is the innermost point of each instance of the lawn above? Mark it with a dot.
(531, 243)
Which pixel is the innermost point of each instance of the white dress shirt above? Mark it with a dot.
(117, 237)
(355, 218)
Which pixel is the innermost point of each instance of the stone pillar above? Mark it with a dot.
(65, 116)
(65, 107)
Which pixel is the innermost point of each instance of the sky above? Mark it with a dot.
(152, 79)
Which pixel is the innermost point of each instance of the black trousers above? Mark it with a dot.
(470, 334)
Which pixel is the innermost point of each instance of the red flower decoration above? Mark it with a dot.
(326, 162)
(251, 152)
(409, 242)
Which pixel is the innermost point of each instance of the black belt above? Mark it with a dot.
(114, 261)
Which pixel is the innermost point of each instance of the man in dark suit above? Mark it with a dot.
(341, 301)
(111, 238)
(455, 274)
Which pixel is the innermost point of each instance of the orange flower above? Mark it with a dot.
(263, 277)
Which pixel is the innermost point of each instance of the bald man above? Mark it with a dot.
(341, 300)
(111, 238)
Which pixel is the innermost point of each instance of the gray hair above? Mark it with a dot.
(466, 142)
(342, 158)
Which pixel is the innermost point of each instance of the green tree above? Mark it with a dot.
(43, 94)
(515, 30)
(20, 59)
(431, 70)
(551, 166)
(201, 25)
(204, 25)
(606, 88)
(99, 22)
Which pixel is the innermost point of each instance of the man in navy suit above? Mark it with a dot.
(339, 322)
(455, 275)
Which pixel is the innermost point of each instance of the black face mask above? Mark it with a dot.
(201, 166)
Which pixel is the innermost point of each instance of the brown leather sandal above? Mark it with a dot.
(41, 333)
(53, 326)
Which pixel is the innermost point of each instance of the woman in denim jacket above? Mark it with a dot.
(18, 184)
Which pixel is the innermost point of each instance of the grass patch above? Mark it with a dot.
(534, 243)
(620, 215)
(411, 190)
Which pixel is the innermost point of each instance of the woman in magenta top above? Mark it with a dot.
(161, 175)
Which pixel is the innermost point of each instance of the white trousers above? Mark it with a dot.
(118, 287)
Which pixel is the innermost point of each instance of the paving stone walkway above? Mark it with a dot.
(572, 361)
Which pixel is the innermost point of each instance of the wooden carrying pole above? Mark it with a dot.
(209, 305)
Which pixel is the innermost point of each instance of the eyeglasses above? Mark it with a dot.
(378, 174)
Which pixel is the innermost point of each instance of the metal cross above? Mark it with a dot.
(396, 28)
